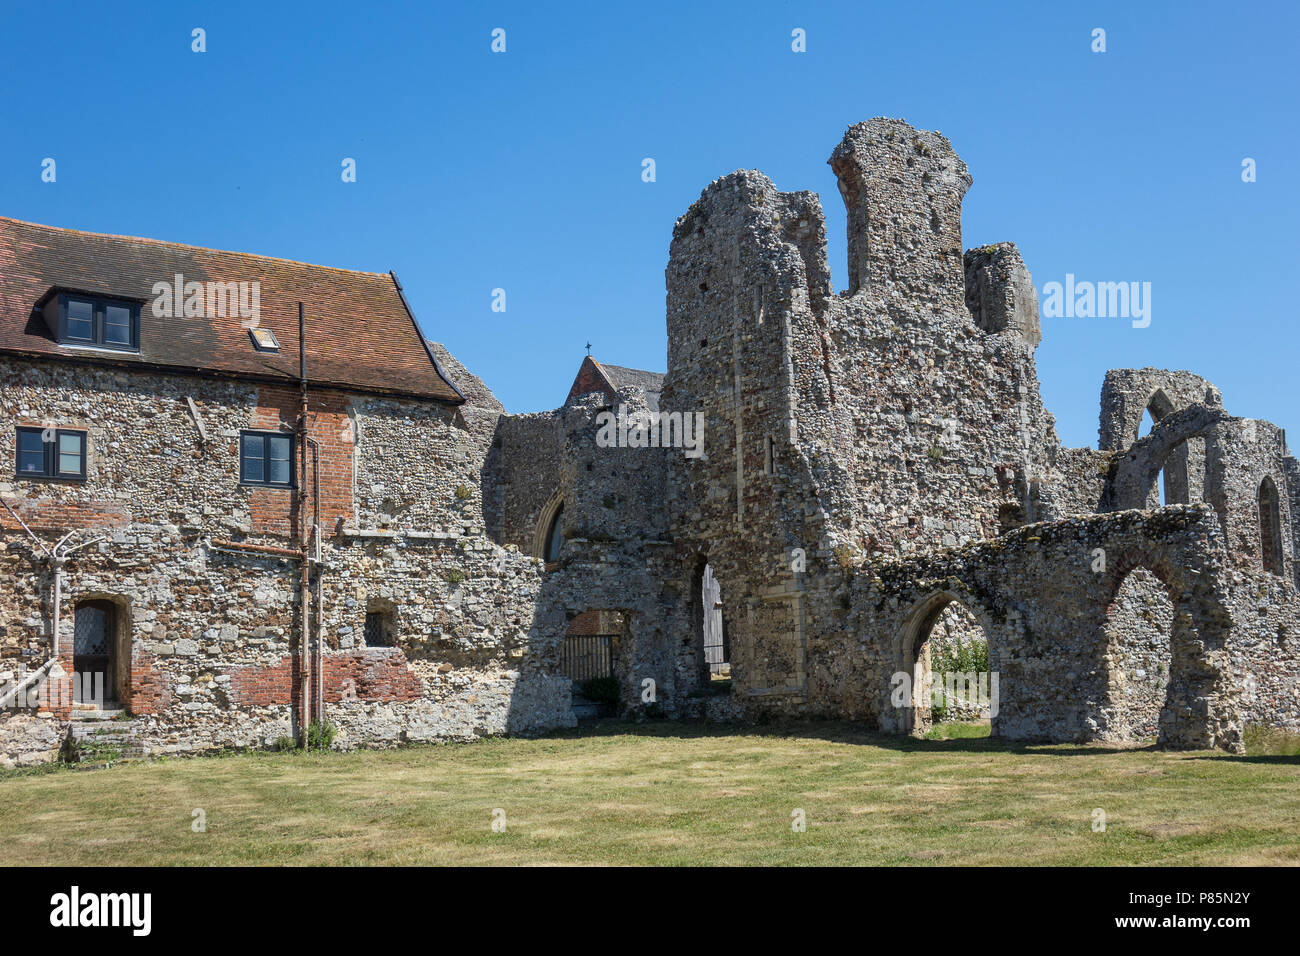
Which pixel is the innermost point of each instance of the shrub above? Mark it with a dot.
(455, 575)
(961, 658)
(464, 492)
(321, 735)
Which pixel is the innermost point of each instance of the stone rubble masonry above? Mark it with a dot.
(880, 477)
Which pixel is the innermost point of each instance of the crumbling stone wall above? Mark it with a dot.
(1054, 680)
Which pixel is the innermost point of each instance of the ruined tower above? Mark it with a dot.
(903, 190)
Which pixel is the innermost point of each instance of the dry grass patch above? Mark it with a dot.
(669, 794)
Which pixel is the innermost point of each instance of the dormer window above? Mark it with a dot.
(94, 321)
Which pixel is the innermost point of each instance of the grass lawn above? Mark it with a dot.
(666, 793)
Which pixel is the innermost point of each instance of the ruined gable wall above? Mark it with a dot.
(748, 348)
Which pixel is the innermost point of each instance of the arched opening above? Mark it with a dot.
(555, 537)
(1180, 479)
(710, 638)
(1139, 623)
(717, 649)
(946, 658)
(1158, 406)
(1270, 527)
(548, 538)
(101, 653)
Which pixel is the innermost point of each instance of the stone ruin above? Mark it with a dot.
(838, 490)
(877, 457)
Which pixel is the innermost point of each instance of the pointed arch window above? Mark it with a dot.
(555, 536)
(1270, 527)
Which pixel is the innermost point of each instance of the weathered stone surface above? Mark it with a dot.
(871, 463)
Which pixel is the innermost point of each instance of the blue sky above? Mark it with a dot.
(522, 170)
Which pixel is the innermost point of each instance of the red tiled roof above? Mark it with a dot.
(360, 334)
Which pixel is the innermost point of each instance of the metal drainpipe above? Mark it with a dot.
(56, 566)
(304, 593)
(320, 587)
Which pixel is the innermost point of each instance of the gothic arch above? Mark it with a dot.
(911, 647)
(546, 522)
(1270, 526)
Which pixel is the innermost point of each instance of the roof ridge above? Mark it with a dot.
(187, 245)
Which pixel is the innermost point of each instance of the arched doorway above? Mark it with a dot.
(1139, 624)
(945, 666)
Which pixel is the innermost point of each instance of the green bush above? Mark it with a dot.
(321, 735)
(961, 659)
(970, 657)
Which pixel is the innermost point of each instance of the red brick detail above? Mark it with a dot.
(381, 675)
(585, 623)
(273, 510)
(150, 691)
(591, 379)
(55, 694)
(53, 514)
(372, 675)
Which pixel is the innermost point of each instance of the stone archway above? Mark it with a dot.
(912, 684)
(1200, 703)
(1137, 657)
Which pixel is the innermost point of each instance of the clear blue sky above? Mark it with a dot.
(523, 170)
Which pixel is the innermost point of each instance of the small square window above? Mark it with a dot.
(266, 458)
(51, 453)
(378, 631)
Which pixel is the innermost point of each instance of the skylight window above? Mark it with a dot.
(264, 339)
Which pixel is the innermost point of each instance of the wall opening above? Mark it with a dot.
(1270, 527)
(596, 658)
(710, 636)
(946, 658)
(1139, 623)
(590, 645)
(380, 624)
(717, 647)
(101, 653)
